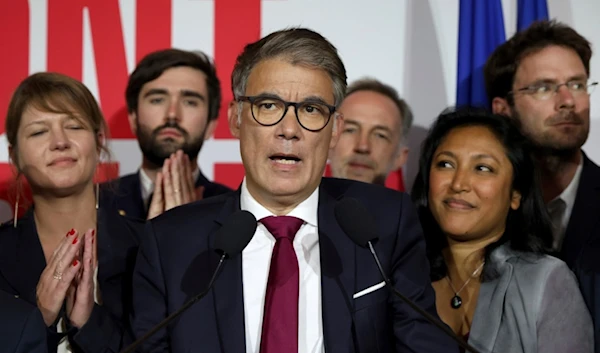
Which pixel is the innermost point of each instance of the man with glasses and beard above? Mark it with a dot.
(173, 99)
(540, 78)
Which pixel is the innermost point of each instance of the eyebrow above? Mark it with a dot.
(580, 77)
(66, 117)
(189, 93)
(477, 156)
(309, 99)
(184, 93)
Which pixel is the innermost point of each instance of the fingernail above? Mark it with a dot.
(93, 232)
(75, 262)
(71, 232)
(75, 241)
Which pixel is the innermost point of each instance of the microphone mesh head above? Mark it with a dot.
(356, 221)
(235, 234)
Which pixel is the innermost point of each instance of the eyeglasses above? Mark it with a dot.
(312, 115)
(546, 90)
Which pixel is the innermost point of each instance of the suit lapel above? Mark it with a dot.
(490, 304)
(228, 292)
(22, 258)
(337, 277)
(582, 220)
(113, 242)
(129, 196)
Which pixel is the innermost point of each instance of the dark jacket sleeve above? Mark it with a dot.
(102, 333)
(410, 276)
(22, 326)
(149, 294)
(589, 284)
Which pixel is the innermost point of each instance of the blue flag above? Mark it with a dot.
(529, 11)
(481, 30)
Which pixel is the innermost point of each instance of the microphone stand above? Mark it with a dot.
(175, 314)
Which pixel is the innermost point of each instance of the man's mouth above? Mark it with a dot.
(285, 158)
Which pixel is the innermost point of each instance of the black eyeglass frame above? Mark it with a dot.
(529, 89)
(252, 99)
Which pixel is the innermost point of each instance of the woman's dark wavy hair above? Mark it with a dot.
(528, 229)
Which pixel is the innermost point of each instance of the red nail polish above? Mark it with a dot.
(75, 241)
(93, 232)
(71, 232)
(75, 262)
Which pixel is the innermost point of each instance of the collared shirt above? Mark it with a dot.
(256, 259)
(147, 185)
(560, 209)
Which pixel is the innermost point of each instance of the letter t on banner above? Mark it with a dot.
(481, 30)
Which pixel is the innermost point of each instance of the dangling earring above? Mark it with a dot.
(16, 211)
(97, 195)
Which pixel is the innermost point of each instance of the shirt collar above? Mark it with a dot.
(306, 210)
(570, 192)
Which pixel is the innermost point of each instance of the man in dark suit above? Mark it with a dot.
(173, 99)
(300, 285)
(22, 326)
(540, 77)
(547, 92)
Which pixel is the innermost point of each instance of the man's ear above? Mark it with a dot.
(338, 127)
(501, 106)
(232, 118)
(210, 129)
(401, 158)
(132, 117)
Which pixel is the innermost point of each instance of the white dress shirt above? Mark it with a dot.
(560, 209)
(256, 260)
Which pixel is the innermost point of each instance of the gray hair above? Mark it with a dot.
(300, 46)
(373, 85)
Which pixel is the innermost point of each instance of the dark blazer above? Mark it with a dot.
(584, 223)
(587, 271)
(22, 326)
(22, 262)
(127, 191)
(176, 261)
(581, 248)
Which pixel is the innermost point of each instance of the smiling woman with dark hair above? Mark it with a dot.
(486, 229)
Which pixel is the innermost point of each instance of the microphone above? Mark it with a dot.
(359, 225)
(230, 240)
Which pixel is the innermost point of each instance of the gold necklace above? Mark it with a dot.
(456, 301)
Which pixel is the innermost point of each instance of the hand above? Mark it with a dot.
(174, 185)
(80, 297)
(57, 277)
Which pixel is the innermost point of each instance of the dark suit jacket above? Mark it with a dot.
(128, 193)
(176, 261)
(22, 326)
(581, 249)
(22, 262)
(584, 223)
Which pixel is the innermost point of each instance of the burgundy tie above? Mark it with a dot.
(280, 319)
